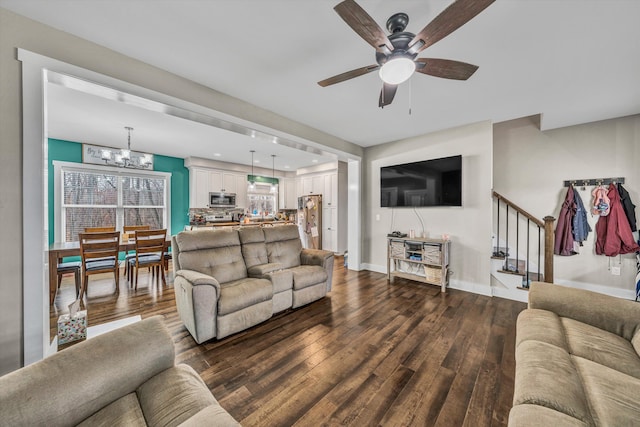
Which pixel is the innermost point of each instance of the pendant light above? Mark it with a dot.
(273, 173)
(252, 183)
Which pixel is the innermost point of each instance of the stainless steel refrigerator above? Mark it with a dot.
(310, 221)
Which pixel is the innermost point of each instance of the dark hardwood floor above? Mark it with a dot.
(371, 353)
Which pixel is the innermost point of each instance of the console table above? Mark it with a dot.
(428, 256)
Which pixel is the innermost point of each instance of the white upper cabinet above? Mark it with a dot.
(199, 188)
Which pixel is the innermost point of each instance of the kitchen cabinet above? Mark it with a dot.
(203, 181)
(332, 184)
(199, 188)
(241, 190)
(287, 198)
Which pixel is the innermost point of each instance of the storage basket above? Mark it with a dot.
(432, 274)
(397, 249)
(431, 254)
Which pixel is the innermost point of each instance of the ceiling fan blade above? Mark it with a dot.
(348, 75)
(445, 68)
(386, 94)
(453, 17)
(363, 24)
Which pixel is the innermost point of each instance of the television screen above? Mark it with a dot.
(436, 182)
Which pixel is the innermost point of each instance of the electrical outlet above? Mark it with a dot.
(615, 271)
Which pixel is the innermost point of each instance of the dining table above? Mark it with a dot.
(59, 250)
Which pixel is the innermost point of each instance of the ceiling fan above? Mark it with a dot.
(396, 53)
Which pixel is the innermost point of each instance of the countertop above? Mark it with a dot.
(235, 223)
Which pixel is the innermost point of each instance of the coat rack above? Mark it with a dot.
(594, 181)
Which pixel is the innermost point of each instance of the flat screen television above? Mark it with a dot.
(436, 182)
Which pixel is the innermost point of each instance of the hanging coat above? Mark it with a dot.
(613, 232)
(628, 206)
(581, 227)
(564, 234)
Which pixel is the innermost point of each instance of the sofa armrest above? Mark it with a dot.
(87, 376)
(197, 297)
(260, 270)
(314, 256)
(197, 279)
(609, 313)
(321, 258)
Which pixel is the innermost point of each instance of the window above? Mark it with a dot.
(261, 202)
(104, 196)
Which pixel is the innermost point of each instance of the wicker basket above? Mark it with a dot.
(397, 249)
(432, 254)
(432, 274)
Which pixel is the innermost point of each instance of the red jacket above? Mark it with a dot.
(613, 231)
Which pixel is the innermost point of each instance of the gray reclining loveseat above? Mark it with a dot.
(229, 280)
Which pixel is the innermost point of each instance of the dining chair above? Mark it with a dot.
(99, 254)
(70, 267)
(99, 229)
(131, 230)
(150, 246)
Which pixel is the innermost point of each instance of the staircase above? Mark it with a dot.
(522, 249)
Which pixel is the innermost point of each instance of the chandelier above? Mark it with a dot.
(125, 157)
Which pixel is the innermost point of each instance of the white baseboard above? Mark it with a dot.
(475, 288)
(512, 294)
(453, 284)
(373, 267)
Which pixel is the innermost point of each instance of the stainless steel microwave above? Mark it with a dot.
(222, 200)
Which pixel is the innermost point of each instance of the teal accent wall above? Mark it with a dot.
(65, 151)
(179, 189)
(69, 151)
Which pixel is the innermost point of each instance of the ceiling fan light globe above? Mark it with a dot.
(397, 70)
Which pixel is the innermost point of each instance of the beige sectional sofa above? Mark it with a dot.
(124, 377)
(228, 280)
(577, 361)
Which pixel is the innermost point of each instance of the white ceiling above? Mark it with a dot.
(573, 61)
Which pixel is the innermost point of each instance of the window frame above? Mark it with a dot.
(61, 166)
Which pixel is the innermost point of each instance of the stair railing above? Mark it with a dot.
(532, 223)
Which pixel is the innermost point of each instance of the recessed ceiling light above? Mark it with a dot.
(287, 167)
(275, 140)
(256, 161)
(217, 154)
(314, 161)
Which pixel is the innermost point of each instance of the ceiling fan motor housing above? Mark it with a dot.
(400, 42)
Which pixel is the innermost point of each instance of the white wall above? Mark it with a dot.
(530, 167)
(19, 32)
(469, 226)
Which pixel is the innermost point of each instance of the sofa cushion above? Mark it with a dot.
(612, 395)
(547, 377)
(540, 325)
(536, 416)
(216, 253)
(283, 245)
(308, 275)
(254, 249)
(123, 412)
(601, 347)
(243, 293)
(173, 396)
